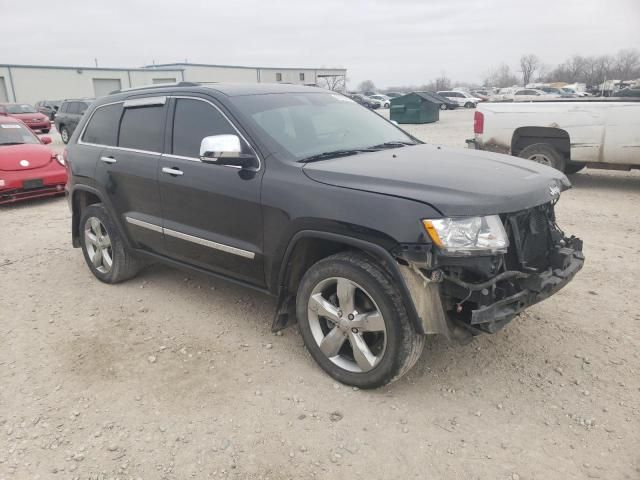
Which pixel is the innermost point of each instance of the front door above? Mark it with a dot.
(212, 213)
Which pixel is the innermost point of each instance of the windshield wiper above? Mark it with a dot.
(336, 154)
(393, 144)
(12, 143)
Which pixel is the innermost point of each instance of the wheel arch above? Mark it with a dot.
(81, 198)
(554, 136)
(307, 247)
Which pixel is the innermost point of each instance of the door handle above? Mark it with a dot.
(172, 171)
(108, 159)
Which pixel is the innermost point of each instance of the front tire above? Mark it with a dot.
(103, 247)
(354, 323)
(64, 134)
(469, 105)
(443, 106)
(545, 154)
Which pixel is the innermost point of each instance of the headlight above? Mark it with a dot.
(468, 235)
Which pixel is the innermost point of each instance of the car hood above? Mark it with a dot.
(24, 157)
(453, 181)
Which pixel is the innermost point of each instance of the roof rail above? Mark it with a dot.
(156, 85)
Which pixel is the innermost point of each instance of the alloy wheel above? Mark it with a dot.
(347, 324)
(65, 135)
(98, 245)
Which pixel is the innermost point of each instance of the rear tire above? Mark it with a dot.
(545, 154)
(369, 344)
(469, 105)
(64, 133)
(443, 106)
(103, 247)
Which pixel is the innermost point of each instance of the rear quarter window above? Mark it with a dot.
(102, 128)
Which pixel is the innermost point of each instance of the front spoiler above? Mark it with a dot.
(537, 288)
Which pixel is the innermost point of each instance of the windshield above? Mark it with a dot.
(308, 124)
(16, 134)
(20, 108)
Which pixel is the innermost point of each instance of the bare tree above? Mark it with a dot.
(528, 66)
(367, 86)
(627, 64)
(442, 83)
(336, 83)
(500, 77)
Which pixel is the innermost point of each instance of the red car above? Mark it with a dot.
(28, 167)
(28, 114)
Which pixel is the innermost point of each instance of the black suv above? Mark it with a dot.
(369, 238)
(68, 116)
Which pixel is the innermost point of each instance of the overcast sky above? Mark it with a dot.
(392, 42)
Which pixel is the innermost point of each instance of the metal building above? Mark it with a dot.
(31, 83)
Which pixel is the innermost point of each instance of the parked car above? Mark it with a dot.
(369, 238)
(366, 101)
(447, 103)
(48, 107)
(386, 101)
(565, 135)
(556, 91)
(482, 96)
(28, 114)
(463, 99)
(627, 92)
(28, 167)
(525, 94)
(68, 116)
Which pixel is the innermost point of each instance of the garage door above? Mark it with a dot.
(3, 91)
(104, 86)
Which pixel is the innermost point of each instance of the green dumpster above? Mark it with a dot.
(415, 107)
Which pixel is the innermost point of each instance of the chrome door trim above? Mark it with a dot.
(190, 238)
(140, 223)
(208, 243)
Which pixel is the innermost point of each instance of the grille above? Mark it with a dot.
(530, 237)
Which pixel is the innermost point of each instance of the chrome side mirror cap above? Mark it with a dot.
(220, 146)
(226, 150)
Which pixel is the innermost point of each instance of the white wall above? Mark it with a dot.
(33, 84)
(198, 73)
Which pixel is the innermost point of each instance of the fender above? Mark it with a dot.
(75, 233)
(285, 314)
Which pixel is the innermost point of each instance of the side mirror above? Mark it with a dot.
(46, 140)
(225, 150)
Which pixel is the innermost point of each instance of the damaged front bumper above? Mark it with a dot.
(457, 309)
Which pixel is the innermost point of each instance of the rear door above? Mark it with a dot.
(131, 137)
(212, 213)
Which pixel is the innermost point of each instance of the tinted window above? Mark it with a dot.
(194, 120)
(74, 107)
(103, 126)
(520, 92)
(64, 108)
(142, 128)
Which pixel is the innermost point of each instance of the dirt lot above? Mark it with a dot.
(175, 376)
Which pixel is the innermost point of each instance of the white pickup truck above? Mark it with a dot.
(565, 134)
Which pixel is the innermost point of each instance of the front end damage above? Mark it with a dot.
(464, 296)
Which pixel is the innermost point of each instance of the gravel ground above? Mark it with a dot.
(174, 375)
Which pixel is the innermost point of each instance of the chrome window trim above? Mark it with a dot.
(190, 238)
(170, 155)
